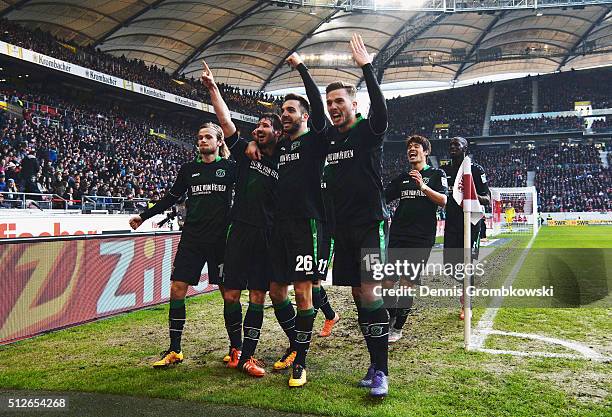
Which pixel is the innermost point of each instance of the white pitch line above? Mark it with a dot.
(485, 324)
(586, 352)
(484, 328)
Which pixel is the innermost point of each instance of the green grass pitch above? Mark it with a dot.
(430, 373)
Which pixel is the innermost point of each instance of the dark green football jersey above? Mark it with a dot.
(256, 186)
(415, 216)
(209, 188)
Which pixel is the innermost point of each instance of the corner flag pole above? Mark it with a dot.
(467, 259)
(464, 193)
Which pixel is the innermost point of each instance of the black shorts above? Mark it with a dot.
(295, 250)
(410, 250)
(350, 242)
(190, 258)
(247, 258)
(453, 243)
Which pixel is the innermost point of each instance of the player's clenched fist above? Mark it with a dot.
(135, 222)
(294, 60)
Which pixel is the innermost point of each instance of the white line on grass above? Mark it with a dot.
(484, 328)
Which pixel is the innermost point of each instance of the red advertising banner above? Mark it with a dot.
(64, 282)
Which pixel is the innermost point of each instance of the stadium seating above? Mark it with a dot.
(243, 101)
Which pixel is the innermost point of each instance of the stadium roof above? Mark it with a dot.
(245, 42)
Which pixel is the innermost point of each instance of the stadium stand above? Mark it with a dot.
(540, 125)
(243, 101)
(73, 152)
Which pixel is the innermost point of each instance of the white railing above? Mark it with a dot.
(41, 201)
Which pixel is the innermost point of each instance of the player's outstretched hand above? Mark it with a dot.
(135, 222)
(252, 151)
(294, 60)
(207, 76)
(360, 53)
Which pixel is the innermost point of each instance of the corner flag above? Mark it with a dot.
(464, 192)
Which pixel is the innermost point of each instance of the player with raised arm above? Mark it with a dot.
(296, 234)
(453, 226)
(247, 260)
(421, 190)
(208, 182)
(354, 181)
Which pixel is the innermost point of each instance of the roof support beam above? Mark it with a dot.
(16, 6)
(391, 49)
(220, 33)
(295, 48)
(584, 36)
(127, 22)
(476, 44)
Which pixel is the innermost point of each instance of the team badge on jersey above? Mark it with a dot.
(426, 180)
(295, 145)
(220, 173)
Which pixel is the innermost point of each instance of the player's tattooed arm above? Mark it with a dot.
(317, 116)
(378, 105)
(221, 109)
(437, 198)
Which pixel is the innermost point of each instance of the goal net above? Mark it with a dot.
(514, 210)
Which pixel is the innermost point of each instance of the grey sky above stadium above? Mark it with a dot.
(246, 41)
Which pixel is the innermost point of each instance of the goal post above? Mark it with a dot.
(514, 210)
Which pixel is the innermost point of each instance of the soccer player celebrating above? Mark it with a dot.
(208, 182)
(354, 181)
(421, 191)
(453, 226)
(296, 234)
(247, 261)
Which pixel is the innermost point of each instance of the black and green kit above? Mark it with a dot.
(209, 188)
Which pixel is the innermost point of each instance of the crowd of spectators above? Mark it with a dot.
(577, 188)
(85, 153)
(513, 97)
(559, 92)
(539, 125)
(242, 101)
(463, 109)
(602, 125)
(568, 177)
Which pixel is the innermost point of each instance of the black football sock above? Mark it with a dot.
(285, 314)
(303, 334)
(403, 312)
(316, 299)
(176, 322)
(378, 328)
(253, 321)
(362, 319)
(326, 307)
(232, 313)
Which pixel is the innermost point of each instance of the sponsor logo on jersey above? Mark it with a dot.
(197, 174)
(412, 194)
(334, 157)
(207, 188)
(220, 173)
(288, 158)
(264, 170)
